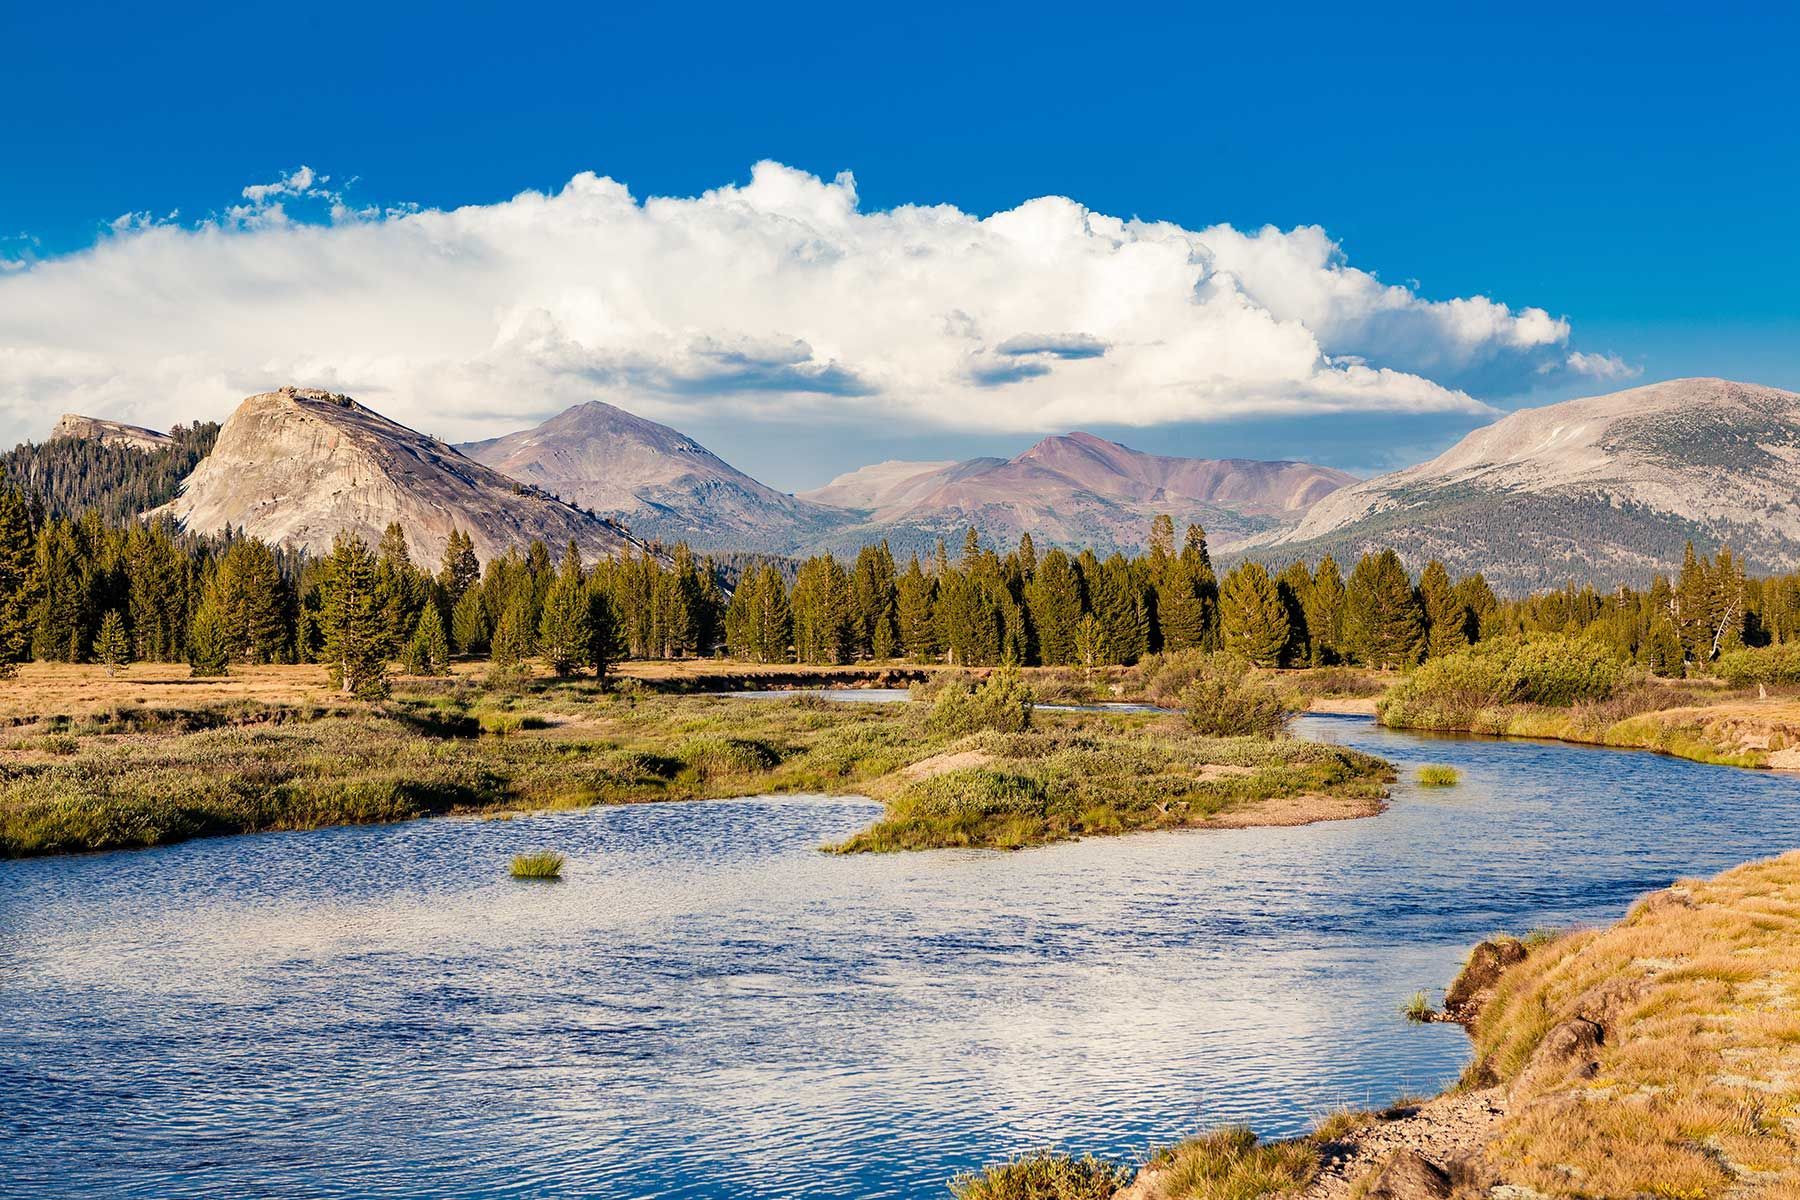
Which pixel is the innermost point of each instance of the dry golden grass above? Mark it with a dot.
(1697, 1089)
(44, 690)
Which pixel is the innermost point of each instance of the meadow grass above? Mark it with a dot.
(537, 864)
(138, 776)
(1437, 775)
(1695, 1089)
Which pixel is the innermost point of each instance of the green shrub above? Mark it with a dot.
(1221, 706)
(1003, 702)
(537, 864)
(1779, 665)
(712, 757)
(1167, 676)
(970, 794)
(1044, 1175)
(1551, 669)
(1437, 775)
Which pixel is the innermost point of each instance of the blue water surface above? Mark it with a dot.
(706, 1006)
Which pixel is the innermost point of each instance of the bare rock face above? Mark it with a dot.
(1474, 985)
(1607, 488)
(661, 482)
(1075, 490)
(298, 465)
(109, 433)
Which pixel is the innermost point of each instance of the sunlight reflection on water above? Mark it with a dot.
(707, 1007)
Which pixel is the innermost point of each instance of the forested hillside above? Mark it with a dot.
(71, 475)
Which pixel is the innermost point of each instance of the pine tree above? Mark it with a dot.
(1180, 609)
(1384, 625)
(207, 654)
(914, 594)
(113, 644)
(156, 575)
(565, 629)
(1053, 605)
(821, 609)
(1090, 641)
(461, 570)
(1294, 586)
(468, 624)
(401, 588)
(1325, 612)
(872, 603)
(1693, 599)
(1162, 539)
(1118, 601)
(250, 600)
(605, 642)
(1027, 552)
(59, 622)
(1447, 618)
(18, 578)
(428, 650)
(351, 619)
(1252, 619)
(514, 641)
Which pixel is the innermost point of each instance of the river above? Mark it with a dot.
(707, 1007)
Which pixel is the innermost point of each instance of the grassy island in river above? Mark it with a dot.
(120, 775)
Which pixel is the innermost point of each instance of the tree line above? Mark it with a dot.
(85, 588)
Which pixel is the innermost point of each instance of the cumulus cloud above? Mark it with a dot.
(781, 298)
(1601, 366)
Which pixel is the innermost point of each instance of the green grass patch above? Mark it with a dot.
(537, 864)
(1438, 775)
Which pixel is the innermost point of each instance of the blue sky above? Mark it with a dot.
(1632, 170)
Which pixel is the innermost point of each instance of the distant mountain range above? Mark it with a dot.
(1073, 490)
(661, 482)
(1606, 489)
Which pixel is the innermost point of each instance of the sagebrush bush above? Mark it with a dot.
(1167, 676)
(1003, 702)
(1219, 706)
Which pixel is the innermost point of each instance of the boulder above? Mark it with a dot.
(1474, 985)
(1570, 1050)
(1409, 1175)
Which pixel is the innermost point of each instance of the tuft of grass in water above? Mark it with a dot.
(537, 864)
(1043, 1175)
(1438, 775)
(1418, 1008)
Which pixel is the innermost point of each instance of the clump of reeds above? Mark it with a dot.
(537, 864)
(1418, 1008)
(1438, 775)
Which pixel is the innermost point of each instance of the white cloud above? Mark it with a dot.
(1601, 366)
(779, 297)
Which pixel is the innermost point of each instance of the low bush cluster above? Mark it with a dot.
(1776, 666)
(1223, 698)
(1003, 702)
(1551, 670)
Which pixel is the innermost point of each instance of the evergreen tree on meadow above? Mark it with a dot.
(403, 589)
(914, 598)
(460, 569)
(872, 602)
(1027, 555)
(249, 600)
(1090, 641)
(1253, 621)
(1324, 605)
(821, 611)
(157, 584)
(1053, 604)
(468, 624)
(1478, 601)
(428, 650)
(605, 637)
(1447, 618)
(1118, 601)
(352, 621)
(564, 628)
(112, 645)
(18, 579)
(513, 642)
(206, 644)
(1384, 625)
(58, 632)
(1294, 586)
(1181, 609)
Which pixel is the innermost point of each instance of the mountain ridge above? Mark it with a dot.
(297, 465)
